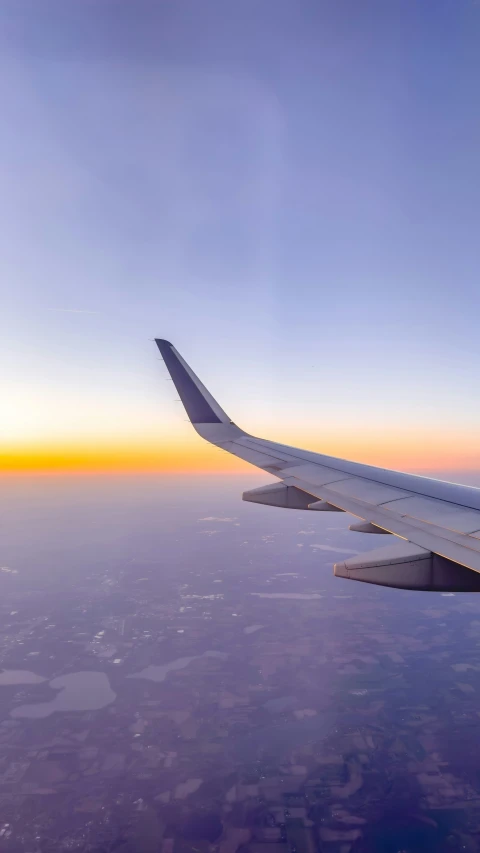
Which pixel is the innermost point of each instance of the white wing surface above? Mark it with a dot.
(436, 524)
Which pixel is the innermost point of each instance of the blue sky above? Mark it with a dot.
(286, 190)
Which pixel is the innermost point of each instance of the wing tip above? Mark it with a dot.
(162, 342)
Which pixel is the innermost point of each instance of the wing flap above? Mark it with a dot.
(404, 565)
(387, 555)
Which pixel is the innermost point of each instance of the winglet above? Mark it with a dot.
(199, 404)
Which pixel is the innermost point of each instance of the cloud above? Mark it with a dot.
(299, 596)
(72, 311)
(331, 548)
(215, 518)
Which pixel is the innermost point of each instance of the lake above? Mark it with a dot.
(78, 691)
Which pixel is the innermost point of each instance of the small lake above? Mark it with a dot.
(283, 703)
(159, 673)
(78, 691)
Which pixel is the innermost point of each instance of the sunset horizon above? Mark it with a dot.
(191, 455)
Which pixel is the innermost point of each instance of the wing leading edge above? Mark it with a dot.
(436, 524)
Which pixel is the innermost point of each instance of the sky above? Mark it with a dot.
(288, 191)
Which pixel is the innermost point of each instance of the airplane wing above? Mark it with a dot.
(436, 524)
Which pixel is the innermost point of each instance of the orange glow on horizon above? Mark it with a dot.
(405, 451)
(128, 458)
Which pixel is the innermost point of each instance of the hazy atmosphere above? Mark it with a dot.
(285, 190)
(179, 667)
